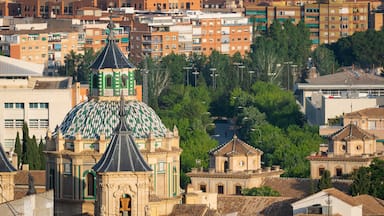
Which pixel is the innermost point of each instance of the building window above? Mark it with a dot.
(220, 189)
(8, 105)
(161, 167)
(8, 123)
(67, 168)
(19, 105)
(44, 123)
(108, 81)
(321, 171)
(203, 188)
(33, 105)
(238, 190)
(43, 105)
(90, 184)
(19, 123)
(339, 171)
(33, 123)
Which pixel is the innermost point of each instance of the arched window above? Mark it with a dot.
(90, 184)
(124, 80)
(108, 81)
(95, 81)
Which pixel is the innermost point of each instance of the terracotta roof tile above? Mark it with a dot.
(235, 147)
(368, 112)
(192, 210)
(342, 196)
(254, 205)
(351, 132)
(371, 205)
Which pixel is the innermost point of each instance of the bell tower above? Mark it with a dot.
(123, 176)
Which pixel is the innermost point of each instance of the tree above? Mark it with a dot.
(324, 60)
(42, 155)
(325, 180)
(30, 150)
(361, 182)
(261, 191)
(18, 149)
(25, 143)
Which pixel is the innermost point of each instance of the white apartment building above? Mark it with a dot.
(27, 96)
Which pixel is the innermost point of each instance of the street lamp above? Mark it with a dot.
(288, 72)
(213, 75)
(187, 68)
(251, 72)
(241, 68)
(195, 73)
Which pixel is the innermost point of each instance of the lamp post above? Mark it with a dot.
(195, 73)
(213, 75)
(187, 68)
(288, 63)
(294, 70)
(251, 72)
(241, 68)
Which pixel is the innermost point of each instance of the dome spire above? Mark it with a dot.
(122, 112)
(110, 27)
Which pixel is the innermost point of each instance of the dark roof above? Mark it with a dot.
(348, 76)
(235, 147)
(111, 56)
(351, 132)
(5, 165)
(122, 153)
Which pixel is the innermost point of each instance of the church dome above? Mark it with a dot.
(92, 118)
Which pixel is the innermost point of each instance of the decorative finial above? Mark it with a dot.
(122, 105)
(110, 26)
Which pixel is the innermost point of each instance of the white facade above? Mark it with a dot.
(320, 202)
(320, 108)
(41, 108)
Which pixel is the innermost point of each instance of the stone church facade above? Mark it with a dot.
(85, 134)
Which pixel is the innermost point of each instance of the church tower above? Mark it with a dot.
(7, 178)
(84, 136)
(123, 176)
(112, 73)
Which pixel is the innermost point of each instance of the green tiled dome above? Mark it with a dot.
(93, 118)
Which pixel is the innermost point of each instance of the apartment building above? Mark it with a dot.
(195, 32)
(327, 20)
(26, 96)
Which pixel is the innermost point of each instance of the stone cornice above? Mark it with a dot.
(238, 175)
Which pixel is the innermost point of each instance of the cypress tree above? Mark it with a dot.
(18, 150)
(34, 155)
(42, 155)
(325, 180)
(26, 139)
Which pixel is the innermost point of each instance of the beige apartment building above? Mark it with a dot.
(27, 96)
(195, 32)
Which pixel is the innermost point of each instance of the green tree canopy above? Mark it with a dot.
(325, 180)
(261, 191)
